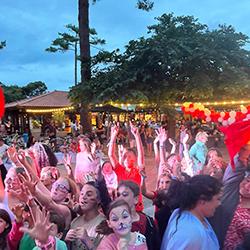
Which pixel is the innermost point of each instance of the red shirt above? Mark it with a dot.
(132, 175)
(140, 225)
(239, 226)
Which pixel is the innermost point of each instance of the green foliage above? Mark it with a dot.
(34, 88)
(58, 117)
(67, 41)
(36, 124)
(14, 93)
(2, 44)
(180, 60)
(146, 5)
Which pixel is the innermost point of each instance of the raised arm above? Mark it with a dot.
(140, 159)
(189, 168)
(156, 151)
(173, 143)
(148, 194)
(162, 135)
(112, 145)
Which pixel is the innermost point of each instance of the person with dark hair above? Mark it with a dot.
(130, 169)
(240, 224)
(214, 165)
(5, 228)
(86, 162)
(232, 178)
(129, 192)
(51, 156)
(120, 222)
(188, 227)
(82, 233)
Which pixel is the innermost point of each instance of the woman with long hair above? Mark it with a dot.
(85, 161)
(188, 227)
(5, 228)
(82, 234)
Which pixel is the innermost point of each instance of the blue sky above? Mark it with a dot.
(29, 26)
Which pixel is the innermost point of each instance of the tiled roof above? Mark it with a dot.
(54, 99)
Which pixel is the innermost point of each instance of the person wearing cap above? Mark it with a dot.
(198, 152)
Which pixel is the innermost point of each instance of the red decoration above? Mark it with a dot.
(199, 111)
(2, 103)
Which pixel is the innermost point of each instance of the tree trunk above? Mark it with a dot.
(83, 19)
(75, 63)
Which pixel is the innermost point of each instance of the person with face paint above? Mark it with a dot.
(120, 222)
(130, 170)
(129, 192)
(82, 234)
(240, 224)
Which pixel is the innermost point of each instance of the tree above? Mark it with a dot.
(2, 44)
(70, 41)
(14, 93)
(34, 89)
(180, 60)
(83, 19)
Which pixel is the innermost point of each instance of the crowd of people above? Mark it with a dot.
(201, 202)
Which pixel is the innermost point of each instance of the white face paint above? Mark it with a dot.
(120, 220)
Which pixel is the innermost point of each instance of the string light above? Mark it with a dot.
(48, 110)
(215, 103)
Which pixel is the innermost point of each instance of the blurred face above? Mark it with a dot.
(127, 195)
(3, 225)
(172, 160)
(88, 198)
(60, 190)
(216, 172)
(130, 159)
(245, 188)
(245, 157)
(164, 183)
(212, 154)
(120, 220)
(203, 138)
(107, 168)
(208, 207)
(46, 178)
(11, 181)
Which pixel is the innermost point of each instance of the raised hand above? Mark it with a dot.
(28, 182)
(42, 226)
(22, 194)
(161, 134)
(134, 130)
(185, 138)
(114, 131)
(12, 154)
(71, 235)
(18, 212)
